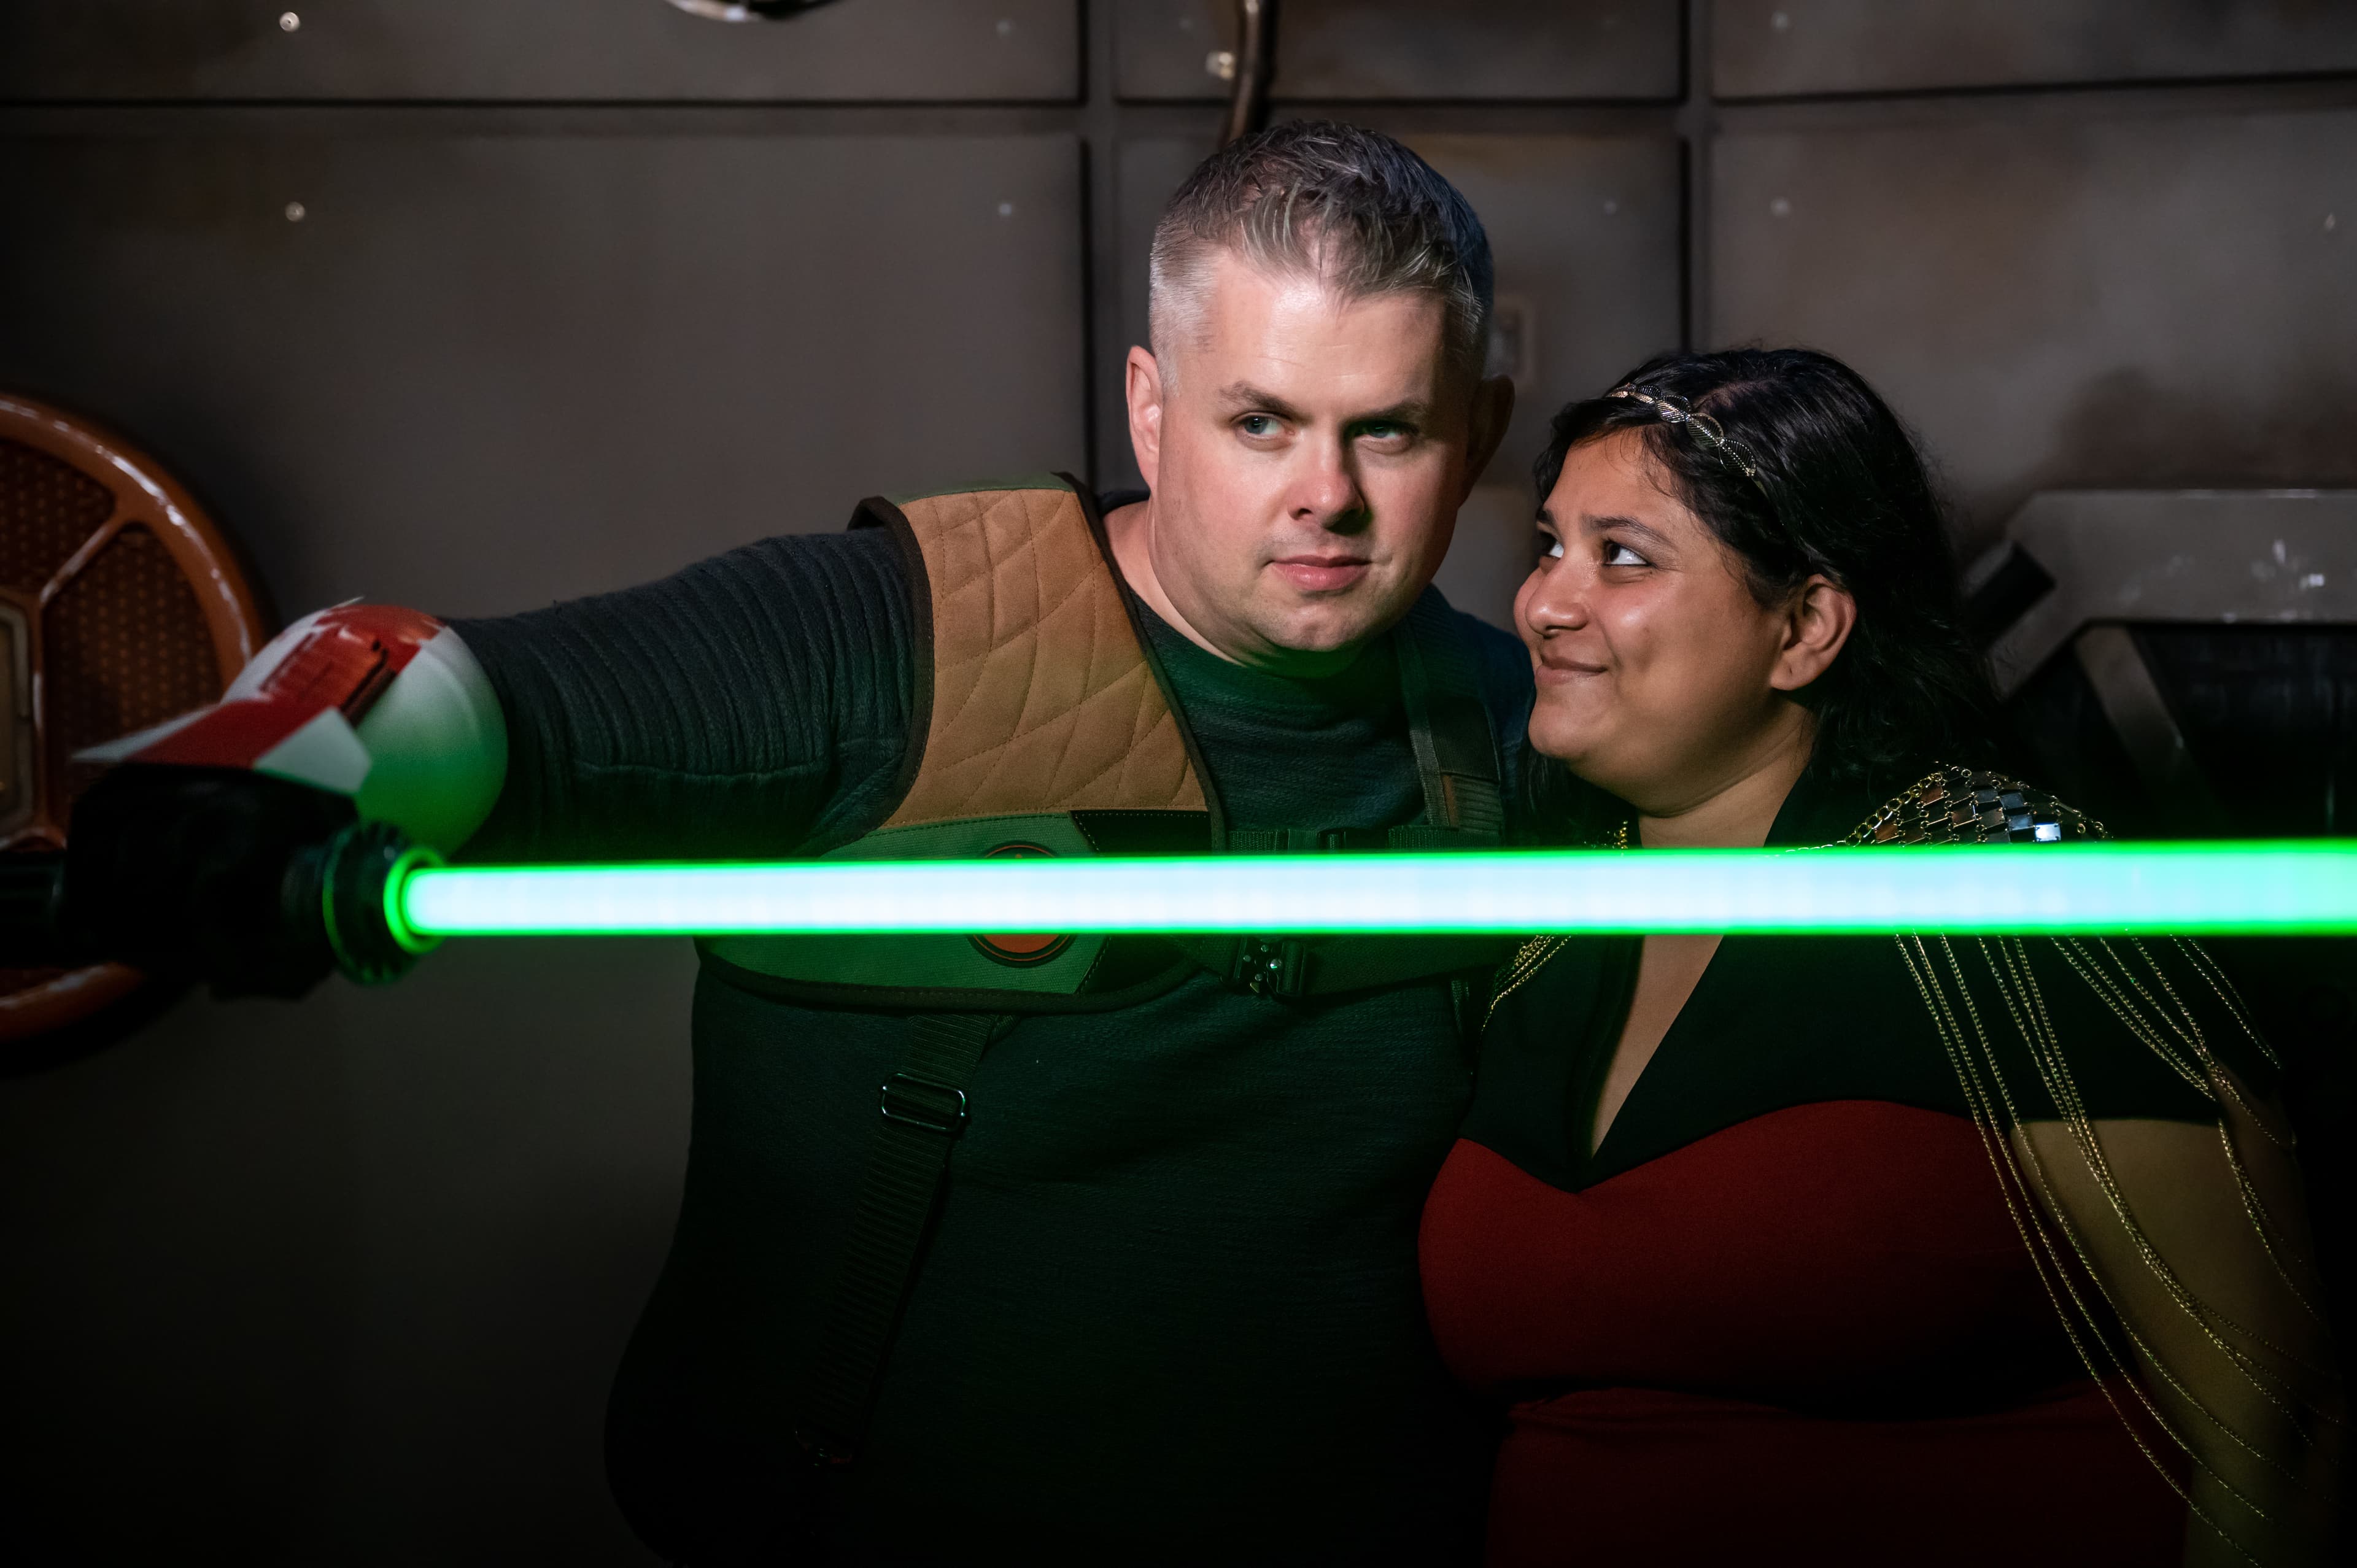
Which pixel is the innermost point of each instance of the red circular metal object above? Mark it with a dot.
(122, 604)
(1022, 949)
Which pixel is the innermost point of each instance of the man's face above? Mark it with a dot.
(1308, 454)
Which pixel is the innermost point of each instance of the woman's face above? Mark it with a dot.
(1660, 677)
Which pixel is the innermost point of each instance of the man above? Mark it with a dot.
(1125, 1269)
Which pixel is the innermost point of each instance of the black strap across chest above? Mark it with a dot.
(1455, 750)
(922, 1116)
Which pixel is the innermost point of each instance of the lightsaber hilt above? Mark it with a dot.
(337, 897)
(350, 887)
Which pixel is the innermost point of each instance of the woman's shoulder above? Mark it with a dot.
(2130, 1026)
(1958, 803)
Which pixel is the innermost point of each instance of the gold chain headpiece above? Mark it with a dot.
(1675, 410)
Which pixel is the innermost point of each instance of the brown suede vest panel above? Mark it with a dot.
(1041, 698)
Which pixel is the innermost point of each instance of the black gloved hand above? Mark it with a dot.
(203, 874)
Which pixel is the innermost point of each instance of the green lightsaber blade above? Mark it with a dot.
(2276, 887)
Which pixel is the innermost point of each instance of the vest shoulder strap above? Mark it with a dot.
(1034, 693)
(1456, 748)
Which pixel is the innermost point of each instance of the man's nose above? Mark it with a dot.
(1326, 492)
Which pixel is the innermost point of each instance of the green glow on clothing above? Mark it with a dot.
(2306, 887)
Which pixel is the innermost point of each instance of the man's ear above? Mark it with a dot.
(1817, 624)
(1493, 410)
(1142, 385)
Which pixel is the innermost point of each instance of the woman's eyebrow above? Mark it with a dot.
(1615, 525)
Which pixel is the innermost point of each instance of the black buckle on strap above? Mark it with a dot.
(921, 1103)
(1277, 969)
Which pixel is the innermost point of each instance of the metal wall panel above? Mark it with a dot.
(869, 50)
(2061, 299)
(1766, 48)
(346, 1281)
(1372, 49)
(1586, 234)
(485, 371)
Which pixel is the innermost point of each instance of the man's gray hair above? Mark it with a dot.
(1351, 207)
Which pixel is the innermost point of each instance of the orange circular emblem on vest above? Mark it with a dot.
(1023, 949)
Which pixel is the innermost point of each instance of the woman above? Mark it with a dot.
(1848, 1249)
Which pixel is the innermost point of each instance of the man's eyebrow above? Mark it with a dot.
(1415, 411)
(1241, 395)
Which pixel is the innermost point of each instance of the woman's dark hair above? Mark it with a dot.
(1836, 486)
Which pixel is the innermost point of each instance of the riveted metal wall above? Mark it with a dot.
(331, 50)
(2106, 294)
(480, 303)
(363, 344)
(1774, 49)
(1374, 50)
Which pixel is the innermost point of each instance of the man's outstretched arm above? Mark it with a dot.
(756, 704)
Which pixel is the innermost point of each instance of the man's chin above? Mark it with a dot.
(1329, 628)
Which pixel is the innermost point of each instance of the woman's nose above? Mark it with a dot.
(1553, 599)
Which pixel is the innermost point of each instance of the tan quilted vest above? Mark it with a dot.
(1039, 728)
(1040, 697)
(1045, 730)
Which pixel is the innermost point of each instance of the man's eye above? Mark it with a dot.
(1383, 431)
(1259, 425)
(1618, 554)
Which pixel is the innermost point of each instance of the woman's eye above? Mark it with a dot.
(1618, 554)
(1550, 547)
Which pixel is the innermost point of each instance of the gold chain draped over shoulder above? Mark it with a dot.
(2245, 1395)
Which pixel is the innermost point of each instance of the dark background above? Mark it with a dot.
(584, 289)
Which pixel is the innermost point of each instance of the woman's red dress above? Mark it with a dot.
(1782, 1313)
